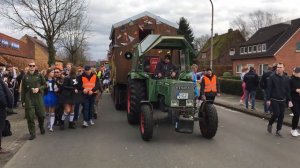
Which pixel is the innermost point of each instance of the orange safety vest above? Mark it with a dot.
(89, 84)
(210, 85)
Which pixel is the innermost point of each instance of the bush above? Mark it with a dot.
(234, 87)
(227, 74)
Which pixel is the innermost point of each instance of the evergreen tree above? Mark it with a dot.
(185, 30)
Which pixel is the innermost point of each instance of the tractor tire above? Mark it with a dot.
(208, 121)
(136, 92)
(146, 122)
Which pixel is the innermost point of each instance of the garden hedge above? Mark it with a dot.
(234, 87)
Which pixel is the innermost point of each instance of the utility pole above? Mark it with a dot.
(212, 35)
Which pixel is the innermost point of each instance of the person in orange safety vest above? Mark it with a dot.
(210, 87)
(90, 85)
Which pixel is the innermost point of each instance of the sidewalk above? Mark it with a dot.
(19, 135)
(233, 102)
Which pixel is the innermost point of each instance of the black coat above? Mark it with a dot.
(294, 85)
(263, 83)
(251, 80)
(165, 69)
(6, 96)
(278, 87)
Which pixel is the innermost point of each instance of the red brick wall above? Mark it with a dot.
(288, 54)
(19, 62)
(256, 62)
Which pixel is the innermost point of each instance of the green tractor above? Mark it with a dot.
(175, 96)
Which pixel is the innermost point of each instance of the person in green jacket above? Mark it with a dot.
(33, 85)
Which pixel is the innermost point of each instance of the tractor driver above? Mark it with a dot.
(165, 68)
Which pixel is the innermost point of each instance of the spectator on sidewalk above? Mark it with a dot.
(278, 92)
(295, 95)
(210, 87)
(263, 83)
(6, 100)
(33, 85)
(251, 80)
(244, 71)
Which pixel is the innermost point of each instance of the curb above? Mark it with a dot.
(249, 112)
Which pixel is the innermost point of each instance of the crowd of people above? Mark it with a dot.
(280, 91)
(54, 95)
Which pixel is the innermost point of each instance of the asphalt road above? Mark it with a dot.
(241, 142)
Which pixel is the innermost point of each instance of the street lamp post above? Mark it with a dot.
(212, 33)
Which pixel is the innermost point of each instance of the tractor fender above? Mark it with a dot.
(146, 102)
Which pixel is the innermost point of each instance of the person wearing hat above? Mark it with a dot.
(295, 95)
(90, 85)
(165, 68)
(210, 87)
(278, 93)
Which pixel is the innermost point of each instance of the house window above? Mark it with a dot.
(246, 50)
(254, 49)
(249, 49)
(239, 68)
(264, 47)
(232, 51)
(259, 48)
(203, 55)
(298, 47)
(262, 68)
(4, 42)
(242, 50)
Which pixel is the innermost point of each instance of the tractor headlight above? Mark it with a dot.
(174, 103)
(189, 103)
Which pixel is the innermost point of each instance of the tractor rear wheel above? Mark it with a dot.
(208, 121)
(136, 92)
(146, 122)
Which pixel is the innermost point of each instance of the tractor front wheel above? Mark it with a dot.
(146, 122)
(208, 120)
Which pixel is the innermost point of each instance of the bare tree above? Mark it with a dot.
(199, 42)
(240, 24)
(259, 19)
(74, 39)
(46, 18)
(254, 21)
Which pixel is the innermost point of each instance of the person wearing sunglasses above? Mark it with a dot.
(33, 85)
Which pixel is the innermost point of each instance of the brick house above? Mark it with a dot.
(224, 47)
(125, 34)
(14, 52)
(21, 52)
(272, 44)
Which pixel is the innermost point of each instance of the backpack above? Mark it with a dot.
(6, 131)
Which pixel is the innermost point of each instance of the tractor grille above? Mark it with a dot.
(182, 102)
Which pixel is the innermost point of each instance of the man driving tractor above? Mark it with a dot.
(165, 68)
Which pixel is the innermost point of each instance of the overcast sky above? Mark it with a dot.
(104, 13)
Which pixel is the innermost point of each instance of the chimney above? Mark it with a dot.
(216, 35)
(34, 37)
(230, 30)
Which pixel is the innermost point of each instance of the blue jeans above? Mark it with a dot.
(88, 107)
(76, 111)
(252, 94)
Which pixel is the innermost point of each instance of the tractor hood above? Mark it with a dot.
(154, 41)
